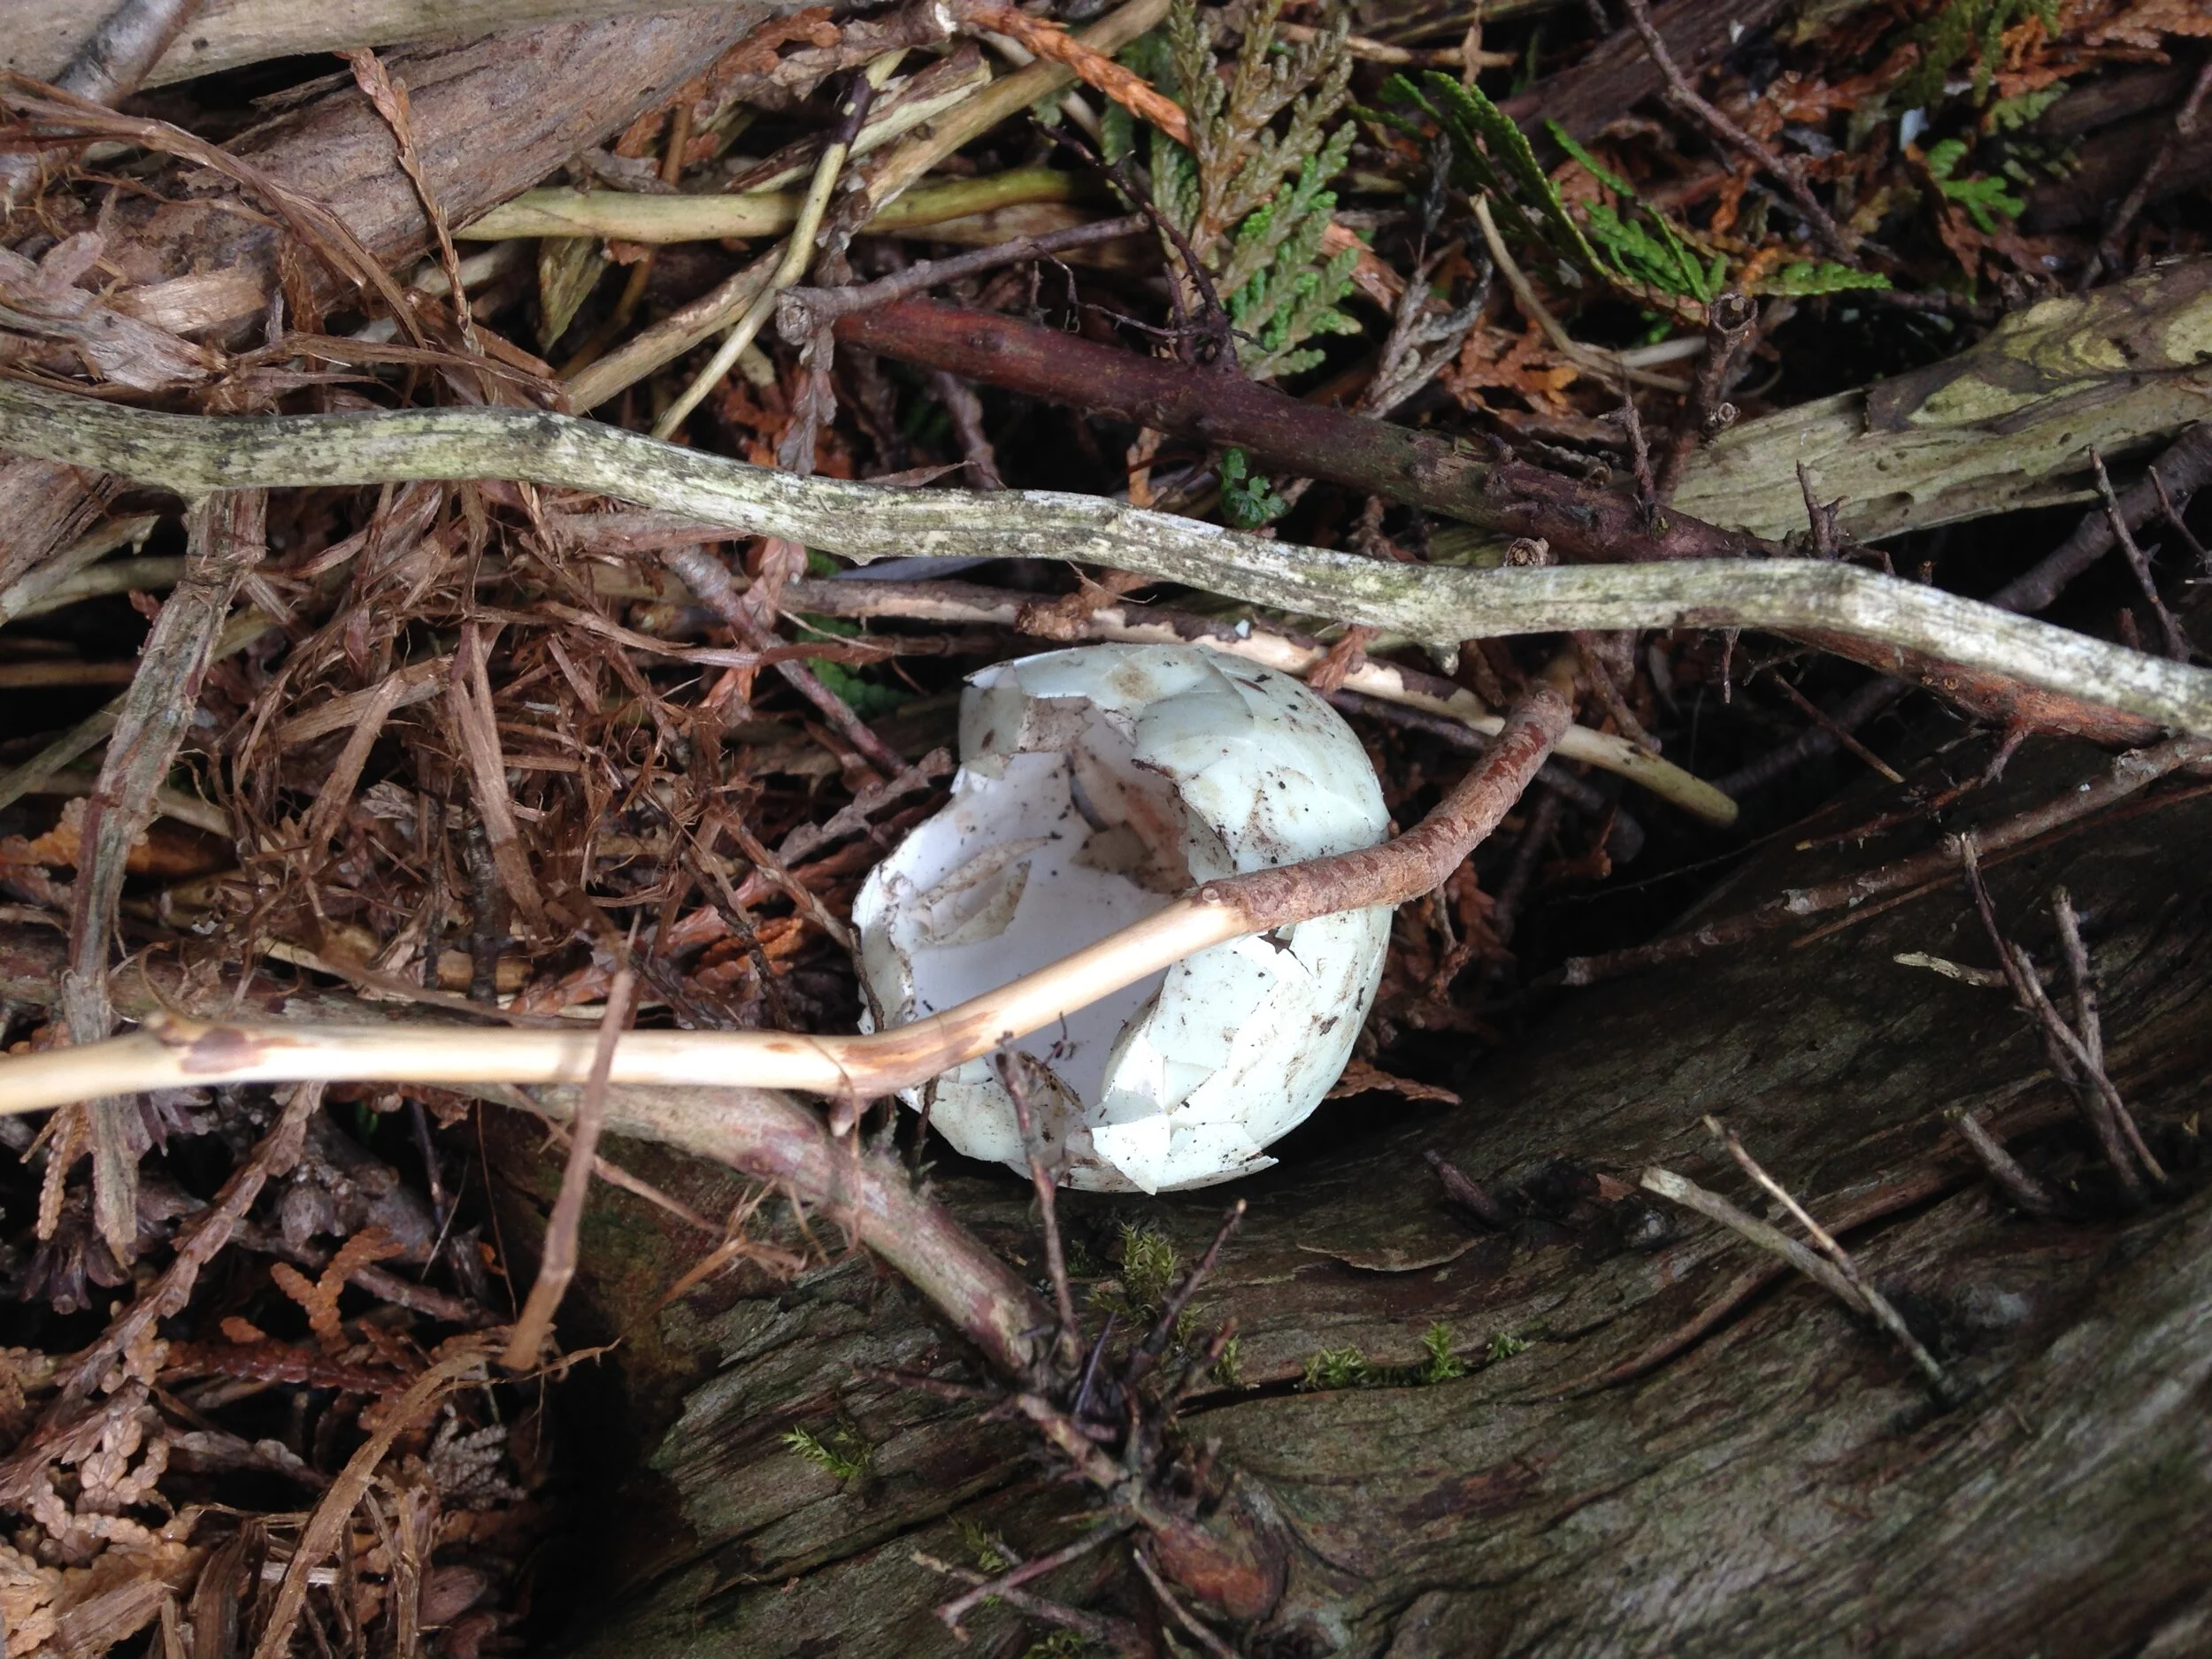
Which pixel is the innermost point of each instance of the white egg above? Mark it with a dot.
(1095, 785)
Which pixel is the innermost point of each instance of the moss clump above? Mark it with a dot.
(1337, 1367)
(1149, 1268)
(1348, 1368)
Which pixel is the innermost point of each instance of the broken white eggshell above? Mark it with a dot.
(1095, 785)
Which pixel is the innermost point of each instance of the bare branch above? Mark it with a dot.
(170, 1050)
(1438, 605)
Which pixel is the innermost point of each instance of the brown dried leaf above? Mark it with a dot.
(2144, 23)
(28, 1592)
(1362, 1078)
(1520, 363)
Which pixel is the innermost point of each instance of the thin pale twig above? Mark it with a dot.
(1532, 307)
(2174, 521)
(1773, 1240)
(1015, 1071)
(557, 1265)
(1877, 1304)
(953, 1611)
(1821, 717)
(1182, 1615)
(2070, 1061)
(2028, 1194)
(2077, 966)
(1116, 1635)
(2097, 1078)
(2176, 642)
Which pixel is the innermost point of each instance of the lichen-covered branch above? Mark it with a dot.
(192, 454)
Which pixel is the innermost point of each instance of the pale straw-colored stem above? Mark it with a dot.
(798, 253)
(172, 1052)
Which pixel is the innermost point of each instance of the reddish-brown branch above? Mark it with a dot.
(1204, 405)
(1308, 439)
(1418, 861)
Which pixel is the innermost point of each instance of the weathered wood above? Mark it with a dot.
(1783, 1487)
(228, 33)
(491, 117)
(2007, 424)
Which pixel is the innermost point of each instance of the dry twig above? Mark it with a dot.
(2033, 1197)
(1685, 98)
(557, 1265)
(1877, 1305)
(846, 1068)
(1438, 605)
(2076, 1057)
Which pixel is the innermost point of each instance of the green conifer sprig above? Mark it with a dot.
(1632, 248)
(1252, 201)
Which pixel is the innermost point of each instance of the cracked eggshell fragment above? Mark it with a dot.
(1095, 785)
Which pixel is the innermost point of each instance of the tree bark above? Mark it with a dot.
(1649, 1475)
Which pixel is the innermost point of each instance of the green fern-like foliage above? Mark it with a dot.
(1827, 277)
(1632, 248)
(1489, 155)
(1643, 244)
(1253, 201)
(1964, 26)
(1248, 497)
(1982, 198)
(1638, 252)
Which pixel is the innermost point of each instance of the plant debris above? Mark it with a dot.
(1382, 295)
